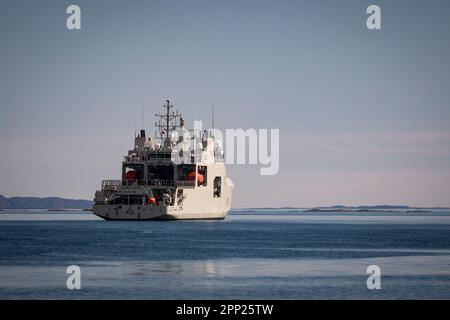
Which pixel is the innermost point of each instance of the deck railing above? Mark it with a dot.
(114, 184)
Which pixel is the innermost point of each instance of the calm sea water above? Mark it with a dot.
(253, 254)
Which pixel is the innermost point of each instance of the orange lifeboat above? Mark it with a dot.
(200, 177)
(191, 176)
(131, 175)
(151, 200)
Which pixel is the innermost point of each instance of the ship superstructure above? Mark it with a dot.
(178, 174)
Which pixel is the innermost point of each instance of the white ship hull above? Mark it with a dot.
(135, 212)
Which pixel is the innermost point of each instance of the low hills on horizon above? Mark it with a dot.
(354, 208)
(62, 203)
(54, 203)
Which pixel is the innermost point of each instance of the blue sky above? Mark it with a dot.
(363, 115)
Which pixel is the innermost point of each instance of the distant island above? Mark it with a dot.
(368, 210)
(374, 208)
(53, 203)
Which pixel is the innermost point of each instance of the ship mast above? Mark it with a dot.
(166, 123)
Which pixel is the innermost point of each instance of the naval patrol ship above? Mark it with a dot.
(178, 174)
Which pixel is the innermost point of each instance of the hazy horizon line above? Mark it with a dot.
(266, 207)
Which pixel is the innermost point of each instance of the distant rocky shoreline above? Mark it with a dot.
(51, 203)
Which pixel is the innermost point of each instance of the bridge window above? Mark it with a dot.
(160, 172)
